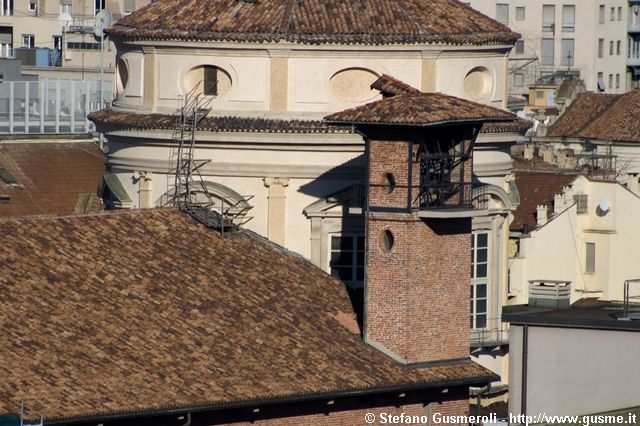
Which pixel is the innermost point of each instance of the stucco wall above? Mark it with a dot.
(575, 371)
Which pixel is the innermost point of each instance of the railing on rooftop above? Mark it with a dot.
(49, 106)
(496, 334)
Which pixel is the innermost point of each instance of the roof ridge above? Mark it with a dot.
(105, 213)
(285, 20)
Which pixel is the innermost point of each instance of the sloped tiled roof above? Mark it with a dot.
(423, 109)
(391, 86)
(51, 178)
(537, 188)
(143, 310)
(130, 120)
(314, 22)
(601, 117)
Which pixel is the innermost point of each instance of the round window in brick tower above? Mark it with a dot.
(388, 240)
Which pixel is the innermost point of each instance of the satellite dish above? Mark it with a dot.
(604, 204)
(104, 18)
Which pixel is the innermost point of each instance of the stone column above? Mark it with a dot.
(429, 66)
(279, 80)
(150, 78)
(145, 191)
(276, 208)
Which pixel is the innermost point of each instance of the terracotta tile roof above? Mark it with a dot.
(314, 22)
(130, 120)
(390, 86)
(602, 117)
(51, 178)
(537, 188)
(421, 109)
(149, 309)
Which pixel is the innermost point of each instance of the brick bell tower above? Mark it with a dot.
(418, 221)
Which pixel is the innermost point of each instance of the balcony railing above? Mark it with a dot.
(496, 335)
(446, 195)
(51, 106)
(633, 61)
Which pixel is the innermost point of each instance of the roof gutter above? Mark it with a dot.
(433, 124)
(215, 406)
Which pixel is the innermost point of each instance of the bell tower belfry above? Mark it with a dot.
(418, 221)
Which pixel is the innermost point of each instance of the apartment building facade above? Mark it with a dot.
(590, 37)
(58, 37)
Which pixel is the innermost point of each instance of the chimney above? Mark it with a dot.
(568, 195)
(558, 203)
(528, 152)
(541, 214)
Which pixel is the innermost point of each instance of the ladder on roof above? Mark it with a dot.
(190, 192)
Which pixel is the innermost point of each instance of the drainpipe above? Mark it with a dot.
(525, 349)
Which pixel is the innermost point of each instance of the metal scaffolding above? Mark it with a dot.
(190, 193)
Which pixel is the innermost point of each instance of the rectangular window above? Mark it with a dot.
(600, 47)
(65, 7)
(619, 13)
(601, 85)
(581, 201)
(548, 17)
(568, 18)
(611, 47)
(519, 47)
(617, 81)
(98, 5)
(613, 14)
(76, 45)
(601, 14)
(618, 47)
(590, 263)
(520, 12)
(479, 279)
(346, 259)
(610, 80)
(547, 51)
(57, 42)
(568, 52)
(129, 6)
(6, 42)
(28, 41)
(502, 13)
(7, 8)
(210, 81)
(518, 79)
(33, 6)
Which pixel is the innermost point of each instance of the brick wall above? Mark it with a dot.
(417, 294)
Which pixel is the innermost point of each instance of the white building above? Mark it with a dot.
(582, 243)
(588, 36)
(55, 38)
(580, 360)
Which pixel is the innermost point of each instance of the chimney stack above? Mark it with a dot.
(541, 214)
